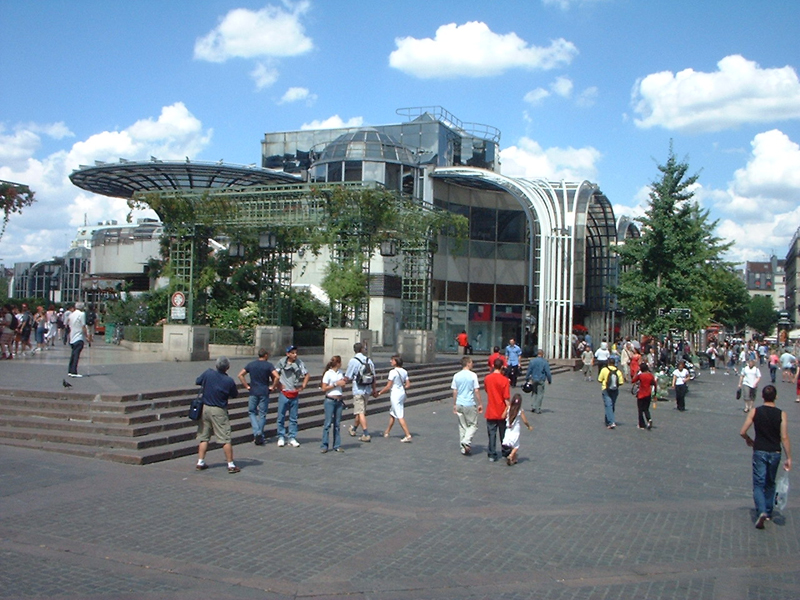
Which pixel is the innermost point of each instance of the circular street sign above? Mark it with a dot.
(178, 299)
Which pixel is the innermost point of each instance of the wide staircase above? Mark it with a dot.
(151, 427)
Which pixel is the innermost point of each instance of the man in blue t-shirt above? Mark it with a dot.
(262, 374)
(218, 388)
(513, 353)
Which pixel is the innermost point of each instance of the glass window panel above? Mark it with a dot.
(408, 181)
(439, 288)
(374, 150)
(511, 251)
(352, 170)
(335, 171)
(459, 209)
(456, 291)
(481, 292)
(318, 173)
(339, 150)
(510, 294)
(508, 312)
(481, 249)
(356, 150)
(456, 247)
(482, 224)
(510, 226)
(374, 171)
(393, 176)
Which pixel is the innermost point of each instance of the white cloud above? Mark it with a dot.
(269, 32)
(587, 97)
(638, 207)
(739, 92)
(566, 4)
(536, 96)
(334, 122)
(562, 86)
(758, 240)
(56, 131)
(773, 170)
(297, 94)
(473, 50)
(46, 228)
(528, 159)
(264, 75)
(16, 148)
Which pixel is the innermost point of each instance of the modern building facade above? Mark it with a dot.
(539, 257)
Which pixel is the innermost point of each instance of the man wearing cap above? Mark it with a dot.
(361, 391)
(293, 379)
(262, 374)
(76, 324)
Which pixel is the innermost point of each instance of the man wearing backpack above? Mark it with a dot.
(610, 379)
(361, 372)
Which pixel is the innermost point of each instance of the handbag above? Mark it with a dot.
(196, 407)
(635, 388)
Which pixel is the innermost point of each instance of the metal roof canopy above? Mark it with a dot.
(124, 179)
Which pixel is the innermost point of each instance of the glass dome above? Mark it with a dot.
(366, 144)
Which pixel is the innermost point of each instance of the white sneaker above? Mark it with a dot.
(74, 375)
(281, 443)
(294, 443)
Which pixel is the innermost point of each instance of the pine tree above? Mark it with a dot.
(672, 265)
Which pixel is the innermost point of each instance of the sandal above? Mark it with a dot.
(386, 434)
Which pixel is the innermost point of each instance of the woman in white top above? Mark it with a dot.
(397, 385)
(332, 382)
(514, 414)
(679, 378)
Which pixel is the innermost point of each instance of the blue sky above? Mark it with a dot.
(580, 89)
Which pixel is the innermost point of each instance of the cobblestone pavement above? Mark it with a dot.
(587, 513)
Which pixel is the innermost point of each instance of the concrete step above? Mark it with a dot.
(152, 426)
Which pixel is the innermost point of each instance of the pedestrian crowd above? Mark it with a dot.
(503, 411)
(24, 334)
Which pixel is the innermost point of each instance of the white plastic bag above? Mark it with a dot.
(782, 491)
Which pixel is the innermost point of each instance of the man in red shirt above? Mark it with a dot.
(498, 392)
(495, 355)
(464, 346)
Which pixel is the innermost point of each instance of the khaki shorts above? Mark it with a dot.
(214, 419)
(359, 404)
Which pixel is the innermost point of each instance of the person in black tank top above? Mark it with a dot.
(771, 431)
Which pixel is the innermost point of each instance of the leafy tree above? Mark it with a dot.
(13, 198)
(674, 262)
(730, 301)
(761, 315)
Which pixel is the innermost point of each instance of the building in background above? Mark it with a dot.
(767, 278)
(791, 274)
(102, 260)
(539, 257)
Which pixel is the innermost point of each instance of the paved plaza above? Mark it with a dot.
(588, 513)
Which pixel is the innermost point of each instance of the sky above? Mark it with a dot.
(580, 89)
